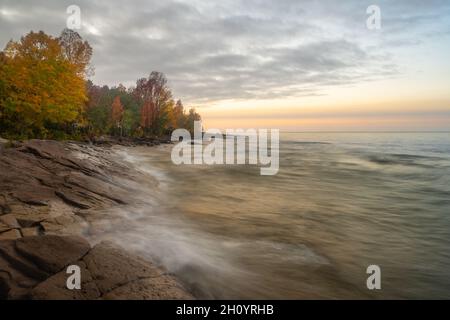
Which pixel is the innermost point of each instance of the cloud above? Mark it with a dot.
(237, 49)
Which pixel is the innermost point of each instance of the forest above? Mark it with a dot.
(45, 93)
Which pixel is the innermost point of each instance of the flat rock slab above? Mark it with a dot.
(54, 288)
(53, 253)
(38, 172)
(112, 267)
(160, 288)
(36, 268)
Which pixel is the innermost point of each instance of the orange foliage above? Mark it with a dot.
(42, 88)
(117, 112)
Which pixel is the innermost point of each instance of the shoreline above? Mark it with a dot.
(52, 192)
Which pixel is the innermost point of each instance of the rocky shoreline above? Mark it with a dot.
(50, 195)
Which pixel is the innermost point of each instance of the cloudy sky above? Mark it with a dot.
(288, 64)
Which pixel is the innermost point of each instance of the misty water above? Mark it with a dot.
(340, 202)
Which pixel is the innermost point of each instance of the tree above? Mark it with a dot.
(77, 51)
(98, 109)
(155, 98)
(130, 122)
(117, 112)
(42, 91)
(178, 118)
(147, 114)
(2, 82)
(44, 94)
(191, 118)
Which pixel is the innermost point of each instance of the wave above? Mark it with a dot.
(403, 159)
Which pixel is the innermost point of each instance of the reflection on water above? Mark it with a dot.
(339, 203)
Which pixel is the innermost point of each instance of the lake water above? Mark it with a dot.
(340, 202)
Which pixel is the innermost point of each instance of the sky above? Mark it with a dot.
(287, 64)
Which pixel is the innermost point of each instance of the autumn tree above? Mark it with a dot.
(155, 98)
(2, 82)
(190, 119)
(147, 114)
(117, 112)
(177, 116)
(98, 109)
(43, 91)
(77, 51)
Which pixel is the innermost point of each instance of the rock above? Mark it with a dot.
(30, 232)
(39, 172)
(35, 267)
(55, 287)
(52, 253)
(4, 207)
(16, 273)
(34, 195)
(4, 227)
(65, 224)
(30, 220)
(95, 187)
(9, 220)
(159, 288)
(10, 235)
(51, 187)
(112, 267)
(46, 149)
(71, 200)
(22, 264)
